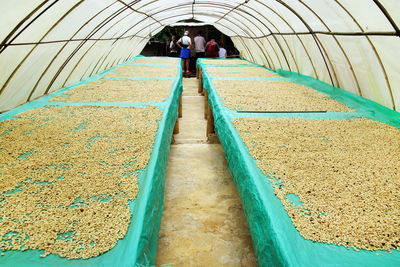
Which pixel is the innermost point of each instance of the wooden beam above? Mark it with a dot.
(176, 127)
(205, 105)
(210, 122)
(180, 107)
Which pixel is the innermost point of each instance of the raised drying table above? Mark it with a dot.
(276, 240)
(106, 100)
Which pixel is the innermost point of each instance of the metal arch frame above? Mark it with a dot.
(351, 68)
(222, 6)
(317, 42)
(111, 17)
(31, 51)
(87, 51)
(393, 34)
(373, 46)
(273, 25)
(245, 29)
(70, 40)
(114, 47)
(229, 11)
(94, 31)
(277, 42)
(260, 46)
(232, 8)
(245, 46)
(178, 7)
(62, 48)
(137, 10)
(194, 2)
(4, 42)
(113, 64)
(100, 59)
(114, 42)
(340, 47)
(294, 33)
(104, 57)
(181, 6)
(169, 17)
(388, 17)
(149, 25)
(362, 33)
(236, 8)
(53, 26)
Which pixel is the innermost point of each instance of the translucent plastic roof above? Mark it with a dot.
(49, 44)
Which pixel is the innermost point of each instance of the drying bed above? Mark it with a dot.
(267, 95)
(247, 75)
(83, 183)
(157, 60)
(110, 90)
(343, 174)
(225, 62)
(239, 69)
(143, 71)
(66, 179)
(271, 200)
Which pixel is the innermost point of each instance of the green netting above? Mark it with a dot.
(139, 246)
(276, 240)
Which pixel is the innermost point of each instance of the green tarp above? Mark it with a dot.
(139, 246)
(276, 240)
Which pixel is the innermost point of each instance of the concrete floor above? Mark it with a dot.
(203, 223)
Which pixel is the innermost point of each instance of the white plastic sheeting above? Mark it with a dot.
(352, 44)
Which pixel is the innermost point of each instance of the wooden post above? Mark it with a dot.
(200, 87)
(205, 105)
(210, 121)
(176, 127)
(180, 107)
(197, 72)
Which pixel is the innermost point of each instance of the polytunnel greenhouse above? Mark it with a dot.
(264, 133)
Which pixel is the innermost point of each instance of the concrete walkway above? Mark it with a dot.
(203, 223)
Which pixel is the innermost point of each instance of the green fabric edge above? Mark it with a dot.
(366, 107)
(139, 246)
(276, 241)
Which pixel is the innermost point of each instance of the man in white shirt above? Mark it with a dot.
(199, 45)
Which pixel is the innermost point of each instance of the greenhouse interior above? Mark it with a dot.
(200, 133)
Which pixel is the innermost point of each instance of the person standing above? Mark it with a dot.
(185, 43)
(173, 48)
(212, 48)
(222, 52)
(199, 45)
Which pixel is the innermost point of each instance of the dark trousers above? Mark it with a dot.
(200, 54)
